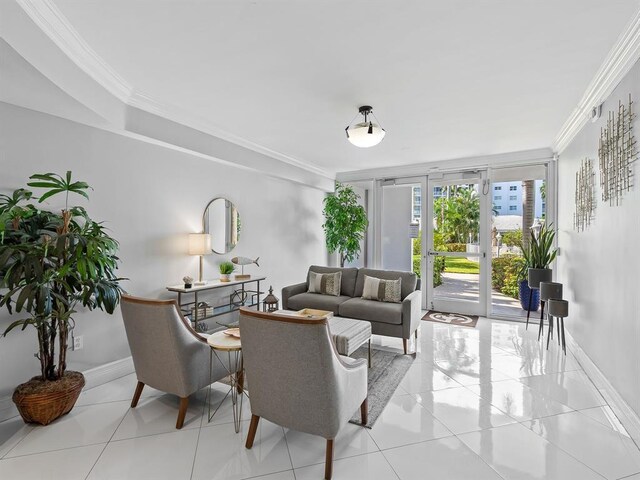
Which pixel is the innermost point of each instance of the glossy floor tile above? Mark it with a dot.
(120, 389)
(446, 458)
(84, 426)
(607, 452)
(372, 466)
(481, 403)
(573, 389)
(308, 449)
(461, 410)
(169, 455)
(517, 453)
(406, 421)
(12, 431)
(517, 400)
(222, 454)
(67, 464)
(425, 377)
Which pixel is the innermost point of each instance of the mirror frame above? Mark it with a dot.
(205, 222)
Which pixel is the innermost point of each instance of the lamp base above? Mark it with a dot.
(242, 277)
(200, 283)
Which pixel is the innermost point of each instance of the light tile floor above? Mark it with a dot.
(483, 403)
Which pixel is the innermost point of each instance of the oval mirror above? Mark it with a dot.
(221, 220)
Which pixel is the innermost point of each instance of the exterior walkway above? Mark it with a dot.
(465, 286)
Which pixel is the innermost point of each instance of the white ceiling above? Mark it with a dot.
(447, 79)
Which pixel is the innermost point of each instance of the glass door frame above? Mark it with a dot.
(478, 177)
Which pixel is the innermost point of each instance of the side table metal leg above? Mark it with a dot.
(369, 353)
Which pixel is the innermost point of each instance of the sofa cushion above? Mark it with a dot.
(381, 290)
(371, 310)
(325, 283)
(316, 300)
(349, 275)
(409, 280)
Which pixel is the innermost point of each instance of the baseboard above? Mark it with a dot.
(107, 372)
(93, 377)
(627, 416)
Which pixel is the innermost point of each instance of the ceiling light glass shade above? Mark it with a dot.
(365, 134)
(199, 244)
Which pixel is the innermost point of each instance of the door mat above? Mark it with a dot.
(386, 372)
(451, 318)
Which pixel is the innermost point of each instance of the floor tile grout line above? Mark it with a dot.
(53, 451)
(629, 476)
(559, 447)
(108, 442)
(390, 466)
(195, 452)
(31, 429)
(286, 442)
(480, 456)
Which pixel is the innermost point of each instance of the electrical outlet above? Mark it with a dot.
(77, 343)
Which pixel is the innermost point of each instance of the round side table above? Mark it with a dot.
(223, 345)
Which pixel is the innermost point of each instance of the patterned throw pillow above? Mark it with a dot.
(325, 283)
(382, 290)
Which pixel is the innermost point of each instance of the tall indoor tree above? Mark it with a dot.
(52, 263)
(345, 223)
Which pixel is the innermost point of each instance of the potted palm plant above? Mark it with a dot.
(51, 264)
(539, 255)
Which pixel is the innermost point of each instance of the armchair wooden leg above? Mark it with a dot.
(184, 404)
(136, 395)
(404, 345)
(253, 428)
(364, 412)
(328, 464)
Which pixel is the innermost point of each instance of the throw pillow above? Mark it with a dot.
(382, 290)
(325, 283)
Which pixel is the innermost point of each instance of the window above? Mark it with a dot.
(513, 207)
(513, 188)
(513, 197)
(497, 188)
(498, 207)
(498, 197)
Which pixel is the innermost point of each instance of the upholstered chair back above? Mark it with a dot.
(167, 354)
(295, 376)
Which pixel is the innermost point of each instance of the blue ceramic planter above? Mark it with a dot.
(523, 292)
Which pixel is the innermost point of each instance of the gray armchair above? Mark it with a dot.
(297, 379)
(167, 354)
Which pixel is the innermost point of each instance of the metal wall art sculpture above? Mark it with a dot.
(616, 152)
(585, 195)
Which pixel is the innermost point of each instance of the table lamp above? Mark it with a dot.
(200, 244)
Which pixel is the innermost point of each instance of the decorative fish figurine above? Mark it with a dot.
(244, 261)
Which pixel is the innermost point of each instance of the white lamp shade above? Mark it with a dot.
(199, 244)
(359, 134)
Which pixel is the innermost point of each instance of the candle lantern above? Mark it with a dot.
(270, 302)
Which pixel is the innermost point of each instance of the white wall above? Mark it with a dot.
(600, 267)
(151, 197)
(396, 217)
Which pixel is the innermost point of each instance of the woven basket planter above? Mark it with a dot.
(42, 402)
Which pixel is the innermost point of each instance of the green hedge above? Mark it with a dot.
(504, 274)
(438, 268)
(456, 247)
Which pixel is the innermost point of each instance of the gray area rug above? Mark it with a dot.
(386, 372)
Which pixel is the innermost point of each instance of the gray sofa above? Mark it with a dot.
(399, 320)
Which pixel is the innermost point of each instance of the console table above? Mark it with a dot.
(241, 296)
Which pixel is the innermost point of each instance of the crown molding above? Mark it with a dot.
(524, 157)
(46, 15)
(624, 54)
(149, 104)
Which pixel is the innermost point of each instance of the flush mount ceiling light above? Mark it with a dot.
(365, 134)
